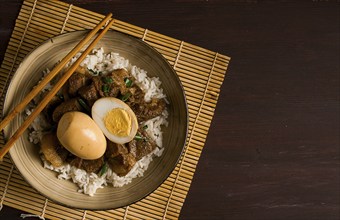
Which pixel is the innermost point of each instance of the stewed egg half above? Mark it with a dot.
(116, 119)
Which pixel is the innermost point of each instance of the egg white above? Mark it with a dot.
(100, 109)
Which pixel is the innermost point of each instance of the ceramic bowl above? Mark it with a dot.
(25, 155)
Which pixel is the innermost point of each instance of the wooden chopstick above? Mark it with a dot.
(52, 92)
(52, 74)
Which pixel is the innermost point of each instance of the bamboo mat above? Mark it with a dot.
(201, 72)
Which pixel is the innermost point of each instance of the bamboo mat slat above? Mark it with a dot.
(201, 72)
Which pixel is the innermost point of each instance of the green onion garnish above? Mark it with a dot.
(103, 170)
(107, 79)
(84, 105)
(145, 127)
(128, 82)
(125, 97)
(138, 137)
(105, 88)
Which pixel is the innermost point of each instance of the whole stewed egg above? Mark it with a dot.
(116, 119)
(80, 135)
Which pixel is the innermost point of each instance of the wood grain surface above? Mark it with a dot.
(273, 148)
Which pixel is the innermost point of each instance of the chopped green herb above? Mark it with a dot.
(84, 105)
(107, 79)
(105, 88)
(125, 97)
(103, 170)
(128, 82)
(145, 127)
(138, 137)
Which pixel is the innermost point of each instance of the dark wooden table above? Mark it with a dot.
(273, 147)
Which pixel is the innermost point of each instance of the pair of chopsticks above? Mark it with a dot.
(20, 107)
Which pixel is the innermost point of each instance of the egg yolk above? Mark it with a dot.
(118, 122)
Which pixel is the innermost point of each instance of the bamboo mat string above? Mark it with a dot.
(169, 198)
(84, 215)
(6, 187)
(106, 23)
(178, 54)
(144, 35)
(19, 46)
(125, 213)
(113, 23)
(191, 135)
(41, 216)
(44, 209)
(66, 18)
(31, 216)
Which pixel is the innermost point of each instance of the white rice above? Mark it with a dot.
(88, 183)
